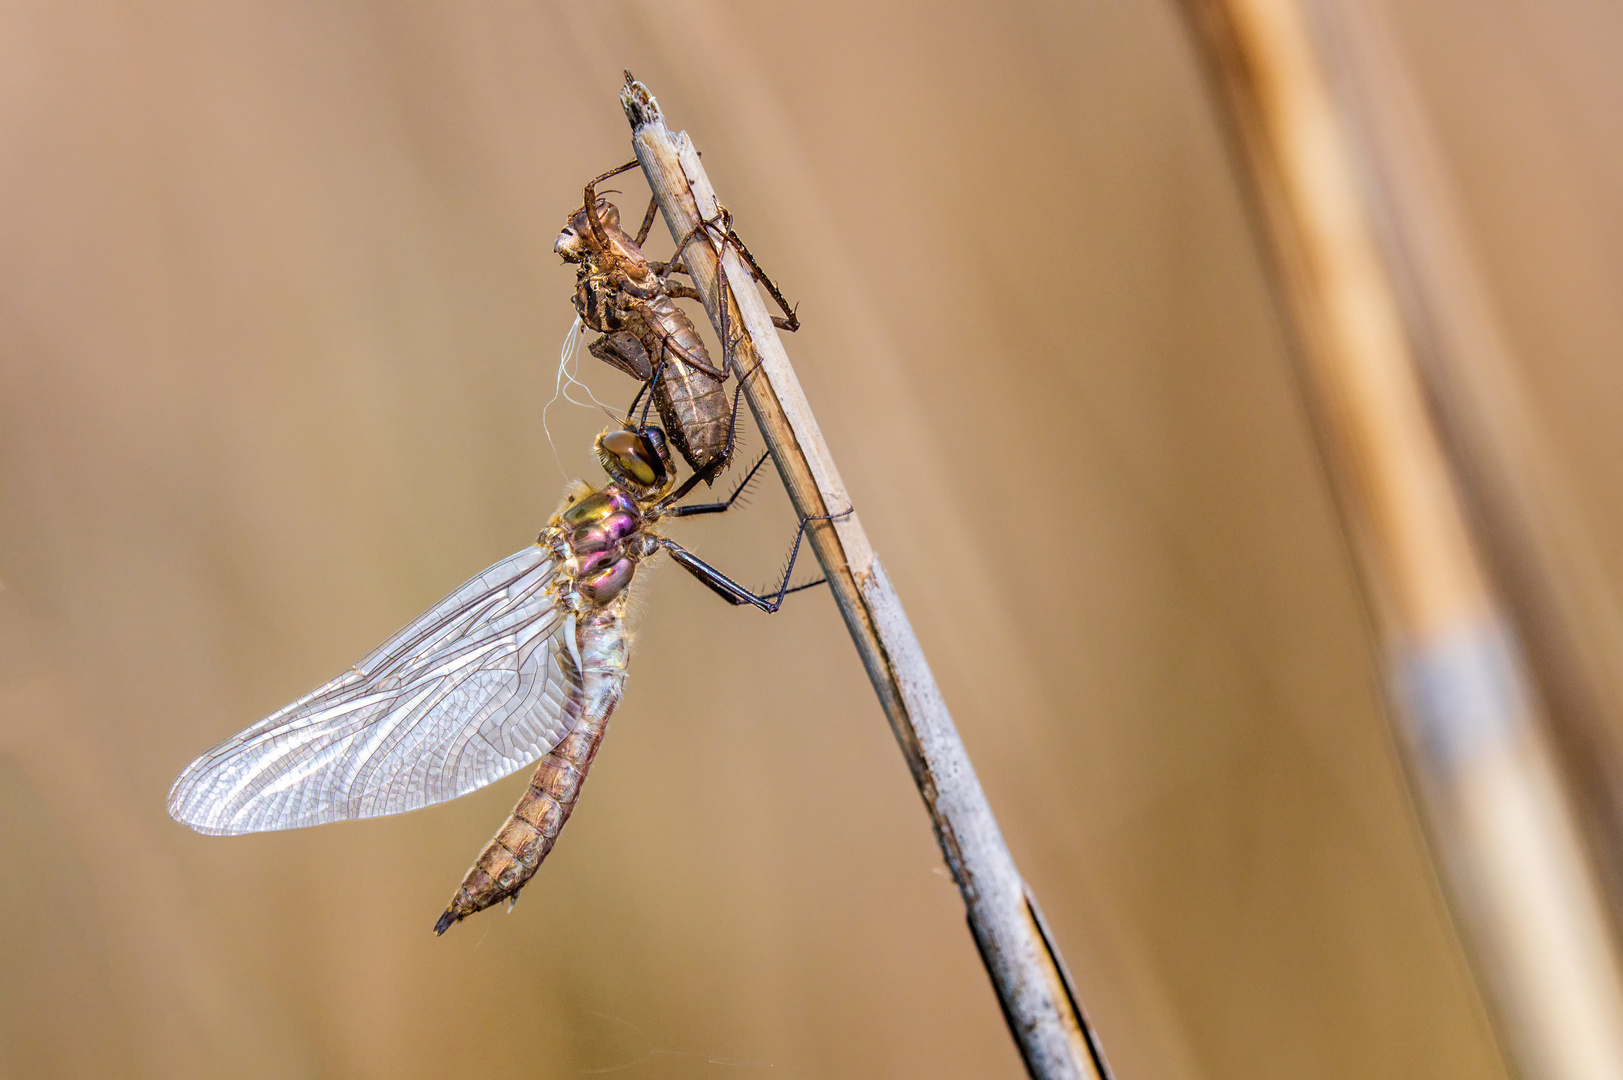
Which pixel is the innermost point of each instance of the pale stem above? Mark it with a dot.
(1025, 967)
(1360, 275)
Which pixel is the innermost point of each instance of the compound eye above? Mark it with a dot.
(633, 456)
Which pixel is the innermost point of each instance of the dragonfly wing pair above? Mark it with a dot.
(478, 686)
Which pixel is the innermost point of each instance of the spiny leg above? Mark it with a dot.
(688, 292)
(713, 227)
(611, 174)
(720, 229)
(726, 504)
(790, 322)
(644, 388)
(730, 590)
(675, 262)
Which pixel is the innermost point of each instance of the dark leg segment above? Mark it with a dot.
(730, 590)
(791, 322)
(720, 230)
(650, 385)
(693, 509)
(645, 388)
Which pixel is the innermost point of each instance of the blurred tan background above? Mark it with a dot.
(278, 319)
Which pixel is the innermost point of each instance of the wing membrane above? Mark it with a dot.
(481, 684)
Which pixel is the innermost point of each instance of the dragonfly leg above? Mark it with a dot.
(670, 345)
(669, 348)
(648, 221)
(713, 467)
(726, 504)
(730, 590)
(641, 390)
(592, 219)
(790, 321)
(721, 226)
(647, 387)
(702, 228)
(653, 381)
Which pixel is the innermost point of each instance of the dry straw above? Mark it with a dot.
(1419, 427)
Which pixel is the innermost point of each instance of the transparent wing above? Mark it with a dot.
(481, 684)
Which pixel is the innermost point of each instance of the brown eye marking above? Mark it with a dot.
(634, 455)
(624, 445)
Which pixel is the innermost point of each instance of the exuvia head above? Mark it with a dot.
(576, 243)
(637, 458)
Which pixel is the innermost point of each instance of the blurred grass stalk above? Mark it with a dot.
(1495, 626)
(1027, 971)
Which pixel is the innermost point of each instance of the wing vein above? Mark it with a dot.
(476, 687)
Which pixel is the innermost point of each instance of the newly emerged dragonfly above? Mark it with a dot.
(525, 660)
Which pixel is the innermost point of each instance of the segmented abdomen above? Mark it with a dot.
(638, 334)
(692, 404)
(524, 840)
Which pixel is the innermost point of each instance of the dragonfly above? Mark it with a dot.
(525, 660)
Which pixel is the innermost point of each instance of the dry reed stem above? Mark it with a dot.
(1540, 559)
(1467, 720)
(1026, 969)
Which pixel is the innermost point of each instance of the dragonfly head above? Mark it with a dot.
(577, 242)
(638, 458)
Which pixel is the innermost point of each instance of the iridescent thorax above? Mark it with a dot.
(603, 532)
